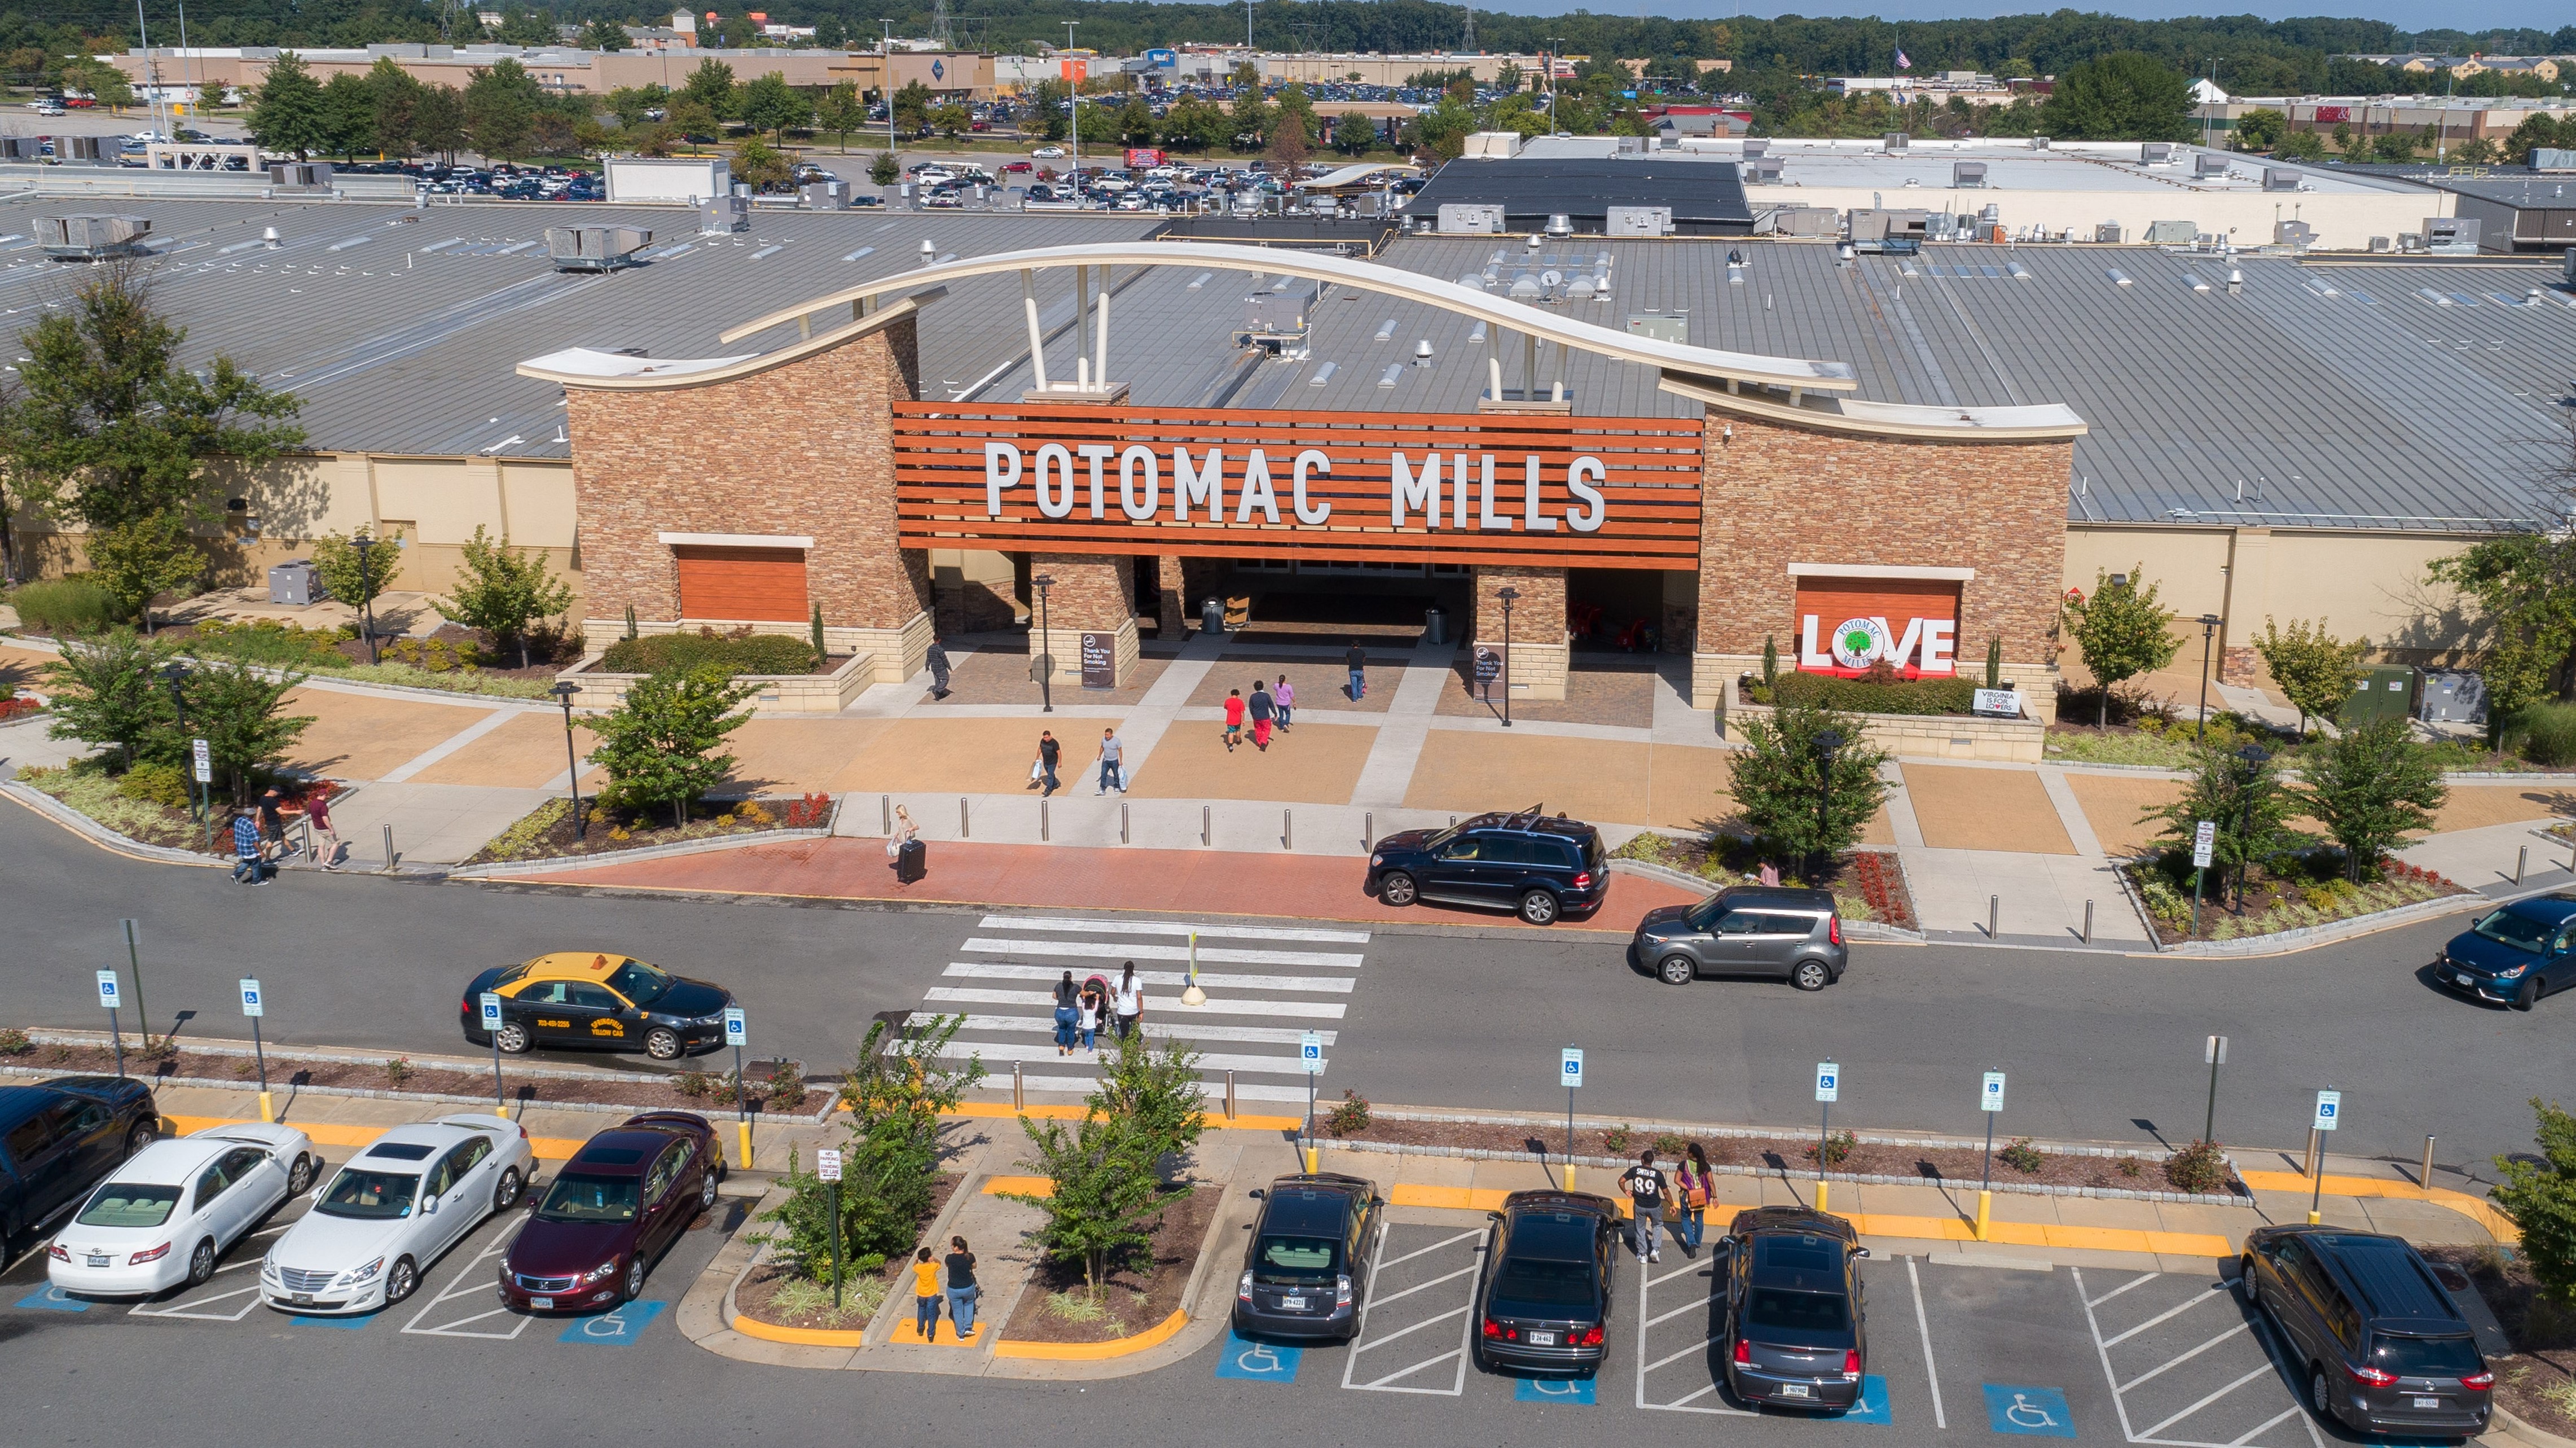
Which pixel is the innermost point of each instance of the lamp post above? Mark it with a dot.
(1507, 594)
(2208, 630)
(2254, 756)
(885, 87)
(1827, 743)
(366, 546)
(175, 674)
(1043, 662)
(1073, 109)
(564, 690)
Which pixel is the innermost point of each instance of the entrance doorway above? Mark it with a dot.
(1385, 599)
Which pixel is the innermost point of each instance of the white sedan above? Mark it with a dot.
(1048, 153)
(393, 1210)
(163, 1218)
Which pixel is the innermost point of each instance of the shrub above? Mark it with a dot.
(2163, 900)
(693, 1084)
(1351, 1114)
(2538, 1194)
(1869, 696)
(14, 1042)
(398, 1070)
(1671, 1143)
(751, 654)
(268, 642)
(2199, 1167)
(1836, 1149)
(2023, 1157)
(2548, 733)
(150, 783)
(1616, 1140)
(74, 605)
(786, 1085)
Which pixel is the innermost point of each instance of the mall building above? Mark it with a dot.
(973, 422)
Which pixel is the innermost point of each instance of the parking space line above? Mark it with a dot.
(1923, 1325)
(2212, 1398)
(2150, 1373)
(1661, 1318)
(468, 1282)
(1669, 1358)
(2188, 1304)
(1379, 1385)
(188, 1309)
(1646, 1320)
(1420, 1251)
(1361, 1342)
(2248, 1435)
(1417, 1327)
(2123, 1287)
(1434, 1282)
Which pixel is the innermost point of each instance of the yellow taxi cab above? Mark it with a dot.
(575, 999)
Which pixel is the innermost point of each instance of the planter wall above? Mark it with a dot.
(1923, 736)
(779, 693)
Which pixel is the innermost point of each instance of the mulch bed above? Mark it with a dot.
(1723, 860)
(1795, 1155)
(548, 832)
(2538, 1382)
(2265, 892)
(1132, 1303)
(643, 1092)
(547, 657)
(756, 1296)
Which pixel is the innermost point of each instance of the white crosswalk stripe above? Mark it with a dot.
(1001, 982)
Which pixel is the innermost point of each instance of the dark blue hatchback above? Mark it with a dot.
(2517, 954)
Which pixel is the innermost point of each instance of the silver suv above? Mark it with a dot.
(1768, 932)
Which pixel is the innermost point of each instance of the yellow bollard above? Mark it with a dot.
(742, 1134)
(501, 1111)
(1822, 1188)
(2313, 1218)
(267, 1108)
(1313, 1159)
(1569, 1176)
(1985, 1206)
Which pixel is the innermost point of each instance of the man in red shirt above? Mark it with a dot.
(1233, 718)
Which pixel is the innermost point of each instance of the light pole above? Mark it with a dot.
(1043, 661)
(1073, 107)
(564, 690)
(1507, 594)
(2208, 631)
(366, 546)
(1554, 43)
(1827, 743)
(2254, 755)
(885, 87)
(175, 674)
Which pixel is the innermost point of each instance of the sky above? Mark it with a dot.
(2459, 14)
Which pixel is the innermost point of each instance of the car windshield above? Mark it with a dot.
(1705, 913)
(1296, 1259)
(2427, 1357)
(1813, 1319)
(355, 1193)
(590, 1199)
(640, 983)
(129, 1204)
(2517, 930)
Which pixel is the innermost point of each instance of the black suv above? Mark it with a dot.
(2383, 1346)
(1306, 1269)
(1794, 1333)
(1540, 865)
(58, 1138)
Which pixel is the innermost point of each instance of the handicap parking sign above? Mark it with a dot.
(1259, 1361)
(2032, 1412)
(614, 1329)
(1553, 1390)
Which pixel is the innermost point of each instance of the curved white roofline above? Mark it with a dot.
(1670, 357)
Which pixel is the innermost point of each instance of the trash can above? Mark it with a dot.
(1435, 626)
(1212, 616)
(291, 582)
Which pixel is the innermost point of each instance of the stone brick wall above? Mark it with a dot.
(1091, 594)
(803, 449)
(1540, 657)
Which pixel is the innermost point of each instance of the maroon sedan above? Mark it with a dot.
(615, 1207)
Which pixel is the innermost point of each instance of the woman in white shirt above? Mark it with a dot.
(1127, 1001)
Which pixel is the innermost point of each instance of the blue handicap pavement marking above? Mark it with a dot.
(1872, 1407)
(1260, 1361)
(53, 1299)
(2036, 1412)
(614, 1329)
(1553, 1390)
(345, 1324)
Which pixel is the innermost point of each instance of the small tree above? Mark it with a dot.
(2371, 788)
(1156, 1092)
(110, 691)
(768, 103)
(139, 560)
(1106, 1196)
(2122, 632)
(234, 707)
(1794, 804)
(287, 111)
(655, 743)
(761, 166)
(357, 583)
(841, 112)
(2246, 801)
(885, 170)
(2316, 671)
(1354, 134)
(504, 591)
(2540, 1198)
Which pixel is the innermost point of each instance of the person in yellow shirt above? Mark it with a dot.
(925, 1295)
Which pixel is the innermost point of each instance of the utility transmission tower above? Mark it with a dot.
(1469, 44)
(942, 33)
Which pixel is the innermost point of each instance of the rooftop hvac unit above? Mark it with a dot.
(2296, 235)
(2205, 165)
(300, 176)
(1639, 221)
(2553, 158)
(1674, 328)
(1806, 221)
(2155, 153)
(826, 195)
(595, 248)
(2039, 143)
(1893, 140)
(2451, 235)
(2172, 233)
(722, 215)
(1628, 145)
(1278, 321)
(2280, 178)
(1755, 148)
(92, 238)
(2107, 231)
(1968, 173)
(2568, 276)
(1762, 169)
(1471, 219)
(2379, 243)
(22, 148)
(81, 149)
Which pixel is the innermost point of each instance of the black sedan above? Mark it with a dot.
(580, 998)
(1794, 1333)
(1544, 1302)
(1306, 1269)
(58, 1138)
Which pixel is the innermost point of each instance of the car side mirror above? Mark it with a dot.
(429, 1208)
(1258, 1195)
(1860, 1251)
(1495, 1217)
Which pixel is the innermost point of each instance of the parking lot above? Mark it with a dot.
(1966, 1351)
(455, 1300)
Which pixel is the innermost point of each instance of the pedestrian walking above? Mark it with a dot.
(1263, 712)
(961, 1288)
(1284, 699)
(1770, 873)
(1647, 1192)
(317, 817)
(1113, 762)
(1128, 1002)
(905, 853)
(272, 822)
(1042, 768)
(1358, 660)
(1086, 1013)
(925, 1295)
(1233, 718)
(1066, 993)
(249, 865)
(937, 659)
(1695, 1190)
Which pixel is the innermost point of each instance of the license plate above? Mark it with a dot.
(2463, 978)
(1796, 1390)
(1542, 1339)
(542, 1304)
(1292, 1304)
(97, 1261)
(304, 1299)
(2428, 1402)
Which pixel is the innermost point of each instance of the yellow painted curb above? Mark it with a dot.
(2476, 1209)
(1058, 1112)
(808, 1336)
(1465, 1199)
(334, 1133)
(1024, 1185)
(1086, 1352)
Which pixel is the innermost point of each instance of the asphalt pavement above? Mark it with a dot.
(2095, 1047)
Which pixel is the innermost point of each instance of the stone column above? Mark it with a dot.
(1171, 599)
(1089, 596)
(1540, 656)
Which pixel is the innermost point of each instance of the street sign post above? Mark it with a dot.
(133, 932)
(203, 761)
(1310, 1055)
(1990, 1100)
(255, 1005)
(110, 997)
(1569, 1069)
(1829, 1089)
(2204, 846)
(492, 1029)
(827, 1165)
(2213, 1054)
(737, 1032)
(2329, 1115)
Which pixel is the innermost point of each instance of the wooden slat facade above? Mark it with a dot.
(764, 584)
(1650, 481)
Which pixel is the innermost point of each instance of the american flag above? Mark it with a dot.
(1902, 63)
